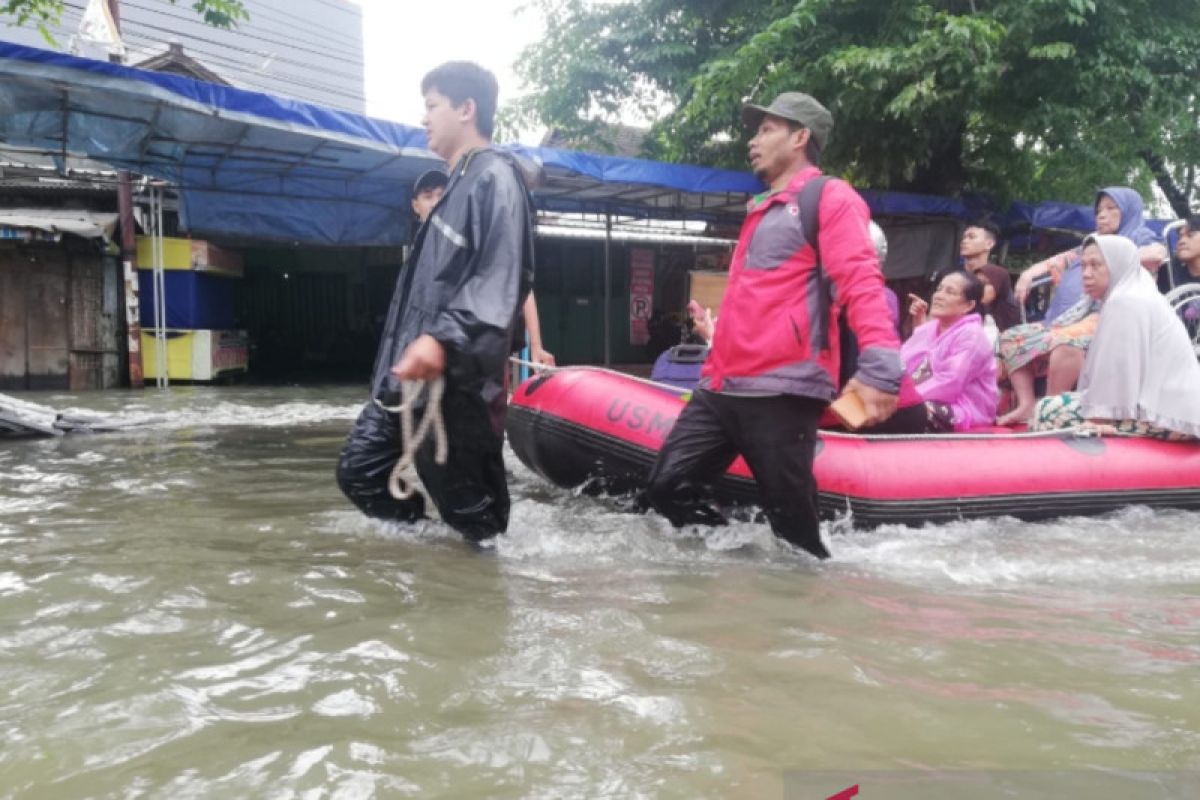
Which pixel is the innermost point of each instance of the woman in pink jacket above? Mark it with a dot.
(949, 369)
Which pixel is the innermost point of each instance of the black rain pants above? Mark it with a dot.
(470, 490)
(777, 435)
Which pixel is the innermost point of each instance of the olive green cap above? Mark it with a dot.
(797, 107)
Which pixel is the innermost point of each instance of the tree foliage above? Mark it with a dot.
(1016, 98)
(44, 13)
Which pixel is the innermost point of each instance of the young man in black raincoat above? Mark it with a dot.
(455, 313)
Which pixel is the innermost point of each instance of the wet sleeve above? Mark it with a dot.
(849, 259)
(476, 321)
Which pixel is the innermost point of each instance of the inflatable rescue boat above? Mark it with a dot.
(585, 425)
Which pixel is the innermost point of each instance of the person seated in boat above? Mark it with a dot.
(1186, 268)
(949, 368)
(978, 241)
(704, 324)
(1188, 249)
(1055, 347)
(1140, 376)
(679, 365)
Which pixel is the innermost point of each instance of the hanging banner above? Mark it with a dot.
(641, 294)
(97, 26)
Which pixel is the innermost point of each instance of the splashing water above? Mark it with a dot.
(189, 608)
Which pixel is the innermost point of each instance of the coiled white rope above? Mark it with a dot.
(402, 483)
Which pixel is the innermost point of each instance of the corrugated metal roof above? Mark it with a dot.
(71, 186)
(87, 224)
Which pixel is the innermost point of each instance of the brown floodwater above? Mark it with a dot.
(190, 609)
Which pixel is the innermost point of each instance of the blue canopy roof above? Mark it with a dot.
(252, 164)
(903, 204)
(586, 182)
(246, 163)
(255, 165)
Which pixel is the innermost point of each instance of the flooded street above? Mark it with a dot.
(191, 609)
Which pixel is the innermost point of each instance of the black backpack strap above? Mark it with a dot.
(810, 221)
(810, 205)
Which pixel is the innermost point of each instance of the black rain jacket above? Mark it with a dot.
(469, 272)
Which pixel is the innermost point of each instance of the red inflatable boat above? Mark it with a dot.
(586, 425)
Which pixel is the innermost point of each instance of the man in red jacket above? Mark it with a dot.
(774, 361)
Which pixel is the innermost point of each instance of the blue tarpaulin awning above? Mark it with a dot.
(254, 165)
(245, 163)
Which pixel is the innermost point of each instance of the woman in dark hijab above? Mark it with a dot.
(1056, 346)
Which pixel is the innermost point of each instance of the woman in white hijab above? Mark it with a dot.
(1141, 375)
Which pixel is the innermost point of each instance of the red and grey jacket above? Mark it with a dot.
(779, 319)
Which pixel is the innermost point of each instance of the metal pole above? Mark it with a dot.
(133, 328)
(161, 375)
(161, 304)
(607, 305)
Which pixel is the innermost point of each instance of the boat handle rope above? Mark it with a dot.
(544, 368)
(1084, 431)
(403, 482)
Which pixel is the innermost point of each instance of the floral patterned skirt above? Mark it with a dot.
(1064, 411)
(1057, 412)
(1032, 342)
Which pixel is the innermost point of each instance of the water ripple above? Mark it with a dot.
(190, 609)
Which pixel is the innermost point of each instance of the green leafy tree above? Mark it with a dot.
(44, 13)
(1017, 98)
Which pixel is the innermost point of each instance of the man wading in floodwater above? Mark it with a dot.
(773, 366)
(454, 314)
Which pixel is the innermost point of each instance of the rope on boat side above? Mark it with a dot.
(1085, 431)
(1078, 431)
(656, 384)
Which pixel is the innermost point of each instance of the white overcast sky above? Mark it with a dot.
(404, 39)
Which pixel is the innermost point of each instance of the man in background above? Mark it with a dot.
(427, 190)
(978, 241)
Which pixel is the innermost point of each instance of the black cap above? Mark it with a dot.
(797, 107)
(1193, 222)
(430, 179)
